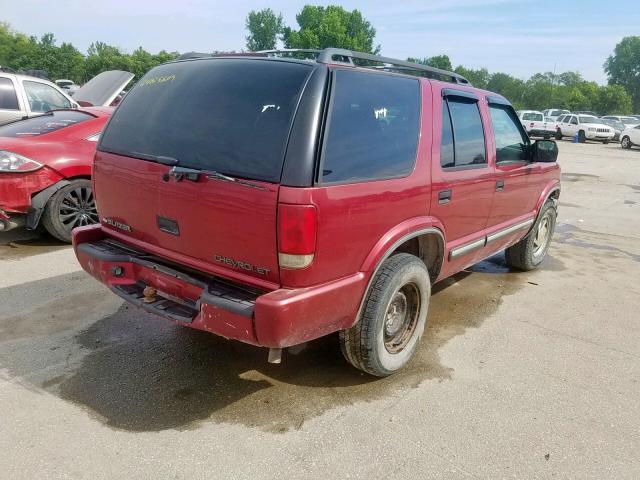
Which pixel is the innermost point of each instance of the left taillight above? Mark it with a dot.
(16, 163)
(297, 228)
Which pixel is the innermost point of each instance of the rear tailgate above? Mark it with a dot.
(228, 122)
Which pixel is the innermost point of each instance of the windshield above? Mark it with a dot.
(535, 117)
(614, 123)
(43, 124)
(591, 120)
(555, 113)
(227, 115)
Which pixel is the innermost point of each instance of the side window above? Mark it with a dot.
(8, 97)
(373, 127)
(43, 97)
(447, 159)
(574, 121)
(511, 142)
(468, 135)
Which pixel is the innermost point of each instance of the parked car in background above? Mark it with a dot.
(554, 112)
(617, 126)
(23, 96)
(628, 120)
(586, 112)
(586, 127)
(46, 163)
(535, 124)
(630, 137)
(223, 209)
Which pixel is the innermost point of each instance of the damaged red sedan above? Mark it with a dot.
(46, 162)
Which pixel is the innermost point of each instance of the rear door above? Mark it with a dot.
(189, 164)
(463, 183)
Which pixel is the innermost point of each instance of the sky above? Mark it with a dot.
(519, 37)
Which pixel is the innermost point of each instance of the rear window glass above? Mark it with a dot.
(373, 127)
(468, 133)
(532, 117)
(8, 97)
(43, 124)
(232, 116)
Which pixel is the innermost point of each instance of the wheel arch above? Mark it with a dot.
(425, 239)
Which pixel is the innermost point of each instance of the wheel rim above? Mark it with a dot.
(78, 208)
(625, 142)
(401, 317)
(542, 236)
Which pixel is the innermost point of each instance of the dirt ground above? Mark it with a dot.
(520, 375)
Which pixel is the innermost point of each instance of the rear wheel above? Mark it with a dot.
(581, 137)
(71, 206)
(393, 317)
(559, 134)
(529, 252)
(605, 141)
(626, 142)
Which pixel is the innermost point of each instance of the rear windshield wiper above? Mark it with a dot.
(157, 158)
(227, 178)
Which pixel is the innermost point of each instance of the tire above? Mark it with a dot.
(626, 142)
(71, 206)
(605, 142)
(546, 137)
(530, 252)
(384, 340)
(581, 137)
(559, 134)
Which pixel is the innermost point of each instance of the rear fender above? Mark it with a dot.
(39, 202)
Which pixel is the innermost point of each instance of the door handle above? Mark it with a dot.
(444, 196)
(499, 185)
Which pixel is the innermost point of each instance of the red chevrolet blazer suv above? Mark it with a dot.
(279, 198)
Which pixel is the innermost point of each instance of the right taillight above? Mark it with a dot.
(297, 227)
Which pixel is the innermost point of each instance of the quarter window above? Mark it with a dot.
(43, 97)
(468, 134)
(373, 127)
(511, 142)
(8, 97)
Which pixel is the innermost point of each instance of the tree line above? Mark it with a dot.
(333, 26)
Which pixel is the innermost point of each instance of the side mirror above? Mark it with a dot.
(544, 151)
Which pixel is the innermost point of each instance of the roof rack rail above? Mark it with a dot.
(340, 55)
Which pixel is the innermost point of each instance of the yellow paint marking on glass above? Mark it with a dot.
(157, 80)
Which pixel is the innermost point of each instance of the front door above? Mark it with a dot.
(463, 183)
(517, 178)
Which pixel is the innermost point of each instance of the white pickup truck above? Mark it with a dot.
(535, 124)
(586, 127)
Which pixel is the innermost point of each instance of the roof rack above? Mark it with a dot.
(340, 55)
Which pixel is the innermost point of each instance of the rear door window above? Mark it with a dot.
(373, 127)
(8, 97)
(43, 97)
(231, 116)
(532, 117)
(468, 133)
(43, 124)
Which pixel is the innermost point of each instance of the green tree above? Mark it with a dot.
(438, 61)
(509, 87)
(332, 26)
(478, 78)
(623, 68)
(613, 99)
(264, 28)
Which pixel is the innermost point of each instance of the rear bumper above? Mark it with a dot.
(279, 318)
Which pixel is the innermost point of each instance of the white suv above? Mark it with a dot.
(22, 96)
(630, 137)
(586, 127)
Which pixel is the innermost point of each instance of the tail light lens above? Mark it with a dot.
(12, 162)
(297, 228)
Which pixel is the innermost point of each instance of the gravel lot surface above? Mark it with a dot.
(520, 375)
